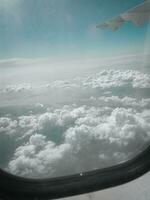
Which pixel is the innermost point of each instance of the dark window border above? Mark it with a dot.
(13, 187)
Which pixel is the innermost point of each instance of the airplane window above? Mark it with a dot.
(73, 97)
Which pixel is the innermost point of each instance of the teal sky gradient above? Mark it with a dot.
(51, 28)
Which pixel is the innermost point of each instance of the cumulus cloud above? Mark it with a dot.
(7, 125)
(118, 78)
(17, 88)
(106, 79)
(125, 102)
(97, 128)
(91, 138)
(38, 157)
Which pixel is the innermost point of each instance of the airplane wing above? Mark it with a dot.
(137, 15)
(114, 24)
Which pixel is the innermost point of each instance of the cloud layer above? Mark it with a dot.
(105, 79)
(105, 121)
(74, 139)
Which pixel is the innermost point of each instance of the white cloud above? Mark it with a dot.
(106, 79)
(92, 137)
(125, 102)
(17, 88)
(7, 125)
(38, 157)
(75, 138)
(118, 78)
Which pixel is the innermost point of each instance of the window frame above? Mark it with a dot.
(15, 187)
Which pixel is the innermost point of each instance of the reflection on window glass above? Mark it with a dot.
(73, 98)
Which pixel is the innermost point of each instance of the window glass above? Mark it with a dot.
(73, 97)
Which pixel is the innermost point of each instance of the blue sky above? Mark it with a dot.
(52, 28)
